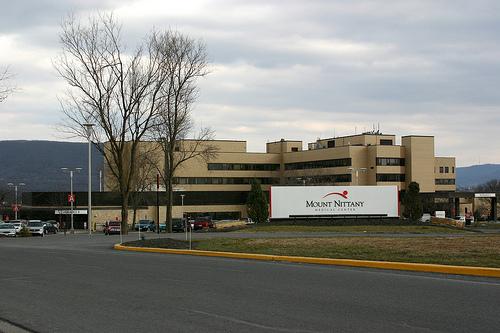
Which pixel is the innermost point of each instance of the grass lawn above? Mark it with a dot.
(468, 250)
(388, 229)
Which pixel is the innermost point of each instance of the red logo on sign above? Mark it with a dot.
(343, 194)
(71, 198)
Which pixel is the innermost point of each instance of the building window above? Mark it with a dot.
(320, 180)
(441, 169)
(386, 142)
(446, 170)
(390, 177)
(390, 161)
(243, 166)
(341, 162)
(295, 149)
(222, 180)
(331, 144)
(450, 181)
(452, 169)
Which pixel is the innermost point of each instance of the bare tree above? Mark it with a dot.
(492, 185)
(118, 91)
(143, 181)
(5, 88)
(184, 60)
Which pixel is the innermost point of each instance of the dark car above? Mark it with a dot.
(178, 225)
(49, 228)
(112, 227)
(145, 225)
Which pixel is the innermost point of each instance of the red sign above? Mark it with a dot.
(16, 208)
(71, 198)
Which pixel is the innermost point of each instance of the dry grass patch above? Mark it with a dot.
(469, 250)
(393, 229)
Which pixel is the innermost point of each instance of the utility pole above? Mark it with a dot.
(89, 203)
(16, 206)
(71, 198)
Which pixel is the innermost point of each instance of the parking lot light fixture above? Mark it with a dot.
(16, 186)
(71, 198)
(88, 127)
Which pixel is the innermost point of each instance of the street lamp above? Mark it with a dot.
(72, 197)
(356, 172)
(182, 211)
(15, 190)
(88, 127)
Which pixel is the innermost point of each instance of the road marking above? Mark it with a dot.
(251, 324)
(14, 278)
(9, 327)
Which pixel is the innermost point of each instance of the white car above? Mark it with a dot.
(36, 228)
(7, 229)
(17, 225)
(425, 218)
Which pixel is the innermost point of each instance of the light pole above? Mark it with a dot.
(356, 173)
(15, 190)
(71, 198)
(89, 209)
(182, 211)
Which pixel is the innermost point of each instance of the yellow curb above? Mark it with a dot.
(403, 266)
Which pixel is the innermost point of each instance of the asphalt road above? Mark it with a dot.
(79, 284)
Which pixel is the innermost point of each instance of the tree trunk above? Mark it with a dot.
(124, 226)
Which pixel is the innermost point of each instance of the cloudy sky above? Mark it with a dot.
(293, 69)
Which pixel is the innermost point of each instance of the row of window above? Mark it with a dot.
(390, 177)
(340, 162)
(445, 181)
(445, 169)
(390, 161)
(221, 180)
(243, 166)
(324, 179)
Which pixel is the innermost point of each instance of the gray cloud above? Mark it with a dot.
(299, 69)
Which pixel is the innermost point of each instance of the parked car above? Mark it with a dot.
(426, 217)
(203, 222)
(36, 228)
(112, 227)
(49, 228)
(7, 229)
(178, 225)
(145, 225)
(17, 225)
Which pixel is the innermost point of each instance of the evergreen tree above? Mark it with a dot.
(412, 202)
(257, 206)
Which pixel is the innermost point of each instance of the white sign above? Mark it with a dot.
(297, 201)
(485, 195)
(68, 212)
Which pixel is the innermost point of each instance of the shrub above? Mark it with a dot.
(24, 232)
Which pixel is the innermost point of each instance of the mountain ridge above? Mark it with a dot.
(26, 160)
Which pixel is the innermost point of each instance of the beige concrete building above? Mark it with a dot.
(220, 185)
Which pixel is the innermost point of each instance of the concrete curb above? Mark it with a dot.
(403, 266)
